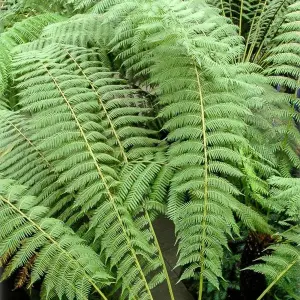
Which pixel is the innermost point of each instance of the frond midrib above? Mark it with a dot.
(16, 209)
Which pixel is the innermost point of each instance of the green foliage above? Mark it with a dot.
(22, 32)
(67, 266)
(140, 109)
(282, 266)
(284, 56)
(77, 120)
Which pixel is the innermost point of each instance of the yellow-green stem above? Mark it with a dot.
(205, 198)
(100, 101)
(241, 17)
(250, 32)
(256, 33)
(161, 256)
(277, 279)
(49, 237)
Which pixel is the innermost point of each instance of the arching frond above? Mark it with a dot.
(66, 118)
(66, 265)
(181, 40)
(135, 109)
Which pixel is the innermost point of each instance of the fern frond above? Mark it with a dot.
(283, 58)
(77, 146)
(197, 120)
(80, 30)
(23, 161)
(22, 32)
(124, 113)
(66, 265)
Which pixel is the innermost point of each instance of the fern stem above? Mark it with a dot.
(277, 279)
(267, 31)
(288, 230)
(230, 10)
(102, 106)
(49, 237)
(205, 199)
(256, 33)
(101, 175)
(241, 17)
(161, 256)
(250, 32)
(223, 10)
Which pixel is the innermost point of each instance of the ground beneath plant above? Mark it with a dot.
(165, 232)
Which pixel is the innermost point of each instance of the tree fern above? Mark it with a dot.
(193, 129)
(137, 59)
(143, 108)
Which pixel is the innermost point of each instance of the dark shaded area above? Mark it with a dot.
(252, 284)
(7, 293)
(233, 294)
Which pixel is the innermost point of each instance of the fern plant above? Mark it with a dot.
(158, 111)
(76, 135)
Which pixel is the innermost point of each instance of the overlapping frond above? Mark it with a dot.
(184, 49)
(67, 124)
(67, 266)
(283, 59)
(22, 32)
(187, 127)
